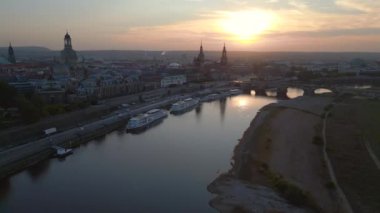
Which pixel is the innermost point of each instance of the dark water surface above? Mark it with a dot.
(164, 169)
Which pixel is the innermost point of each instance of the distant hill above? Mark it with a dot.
(243, 56)
(25, 49)
(29, 52)
(43, 53)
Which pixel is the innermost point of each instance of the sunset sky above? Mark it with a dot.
(252, 25)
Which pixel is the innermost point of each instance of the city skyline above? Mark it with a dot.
(271, 25)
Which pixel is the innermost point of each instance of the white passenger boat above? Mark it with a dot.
(61, 152)
(235, 91)
(143, 121)
(210, 97)
(183, 106)
(224, 94)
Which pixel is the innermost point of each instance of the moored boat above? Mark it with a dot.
(235, 91)
(61, 152)
(185, 105)
(143, 121)
(210, 97)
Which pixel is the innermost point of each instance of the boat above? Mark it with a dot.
(235, 91)
(62, 152)
(144, 121)
(210, 97)
(156, 114)
(183, 106)
(224, 95)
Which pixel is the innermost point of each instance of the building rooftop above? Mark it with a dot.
(4, 60)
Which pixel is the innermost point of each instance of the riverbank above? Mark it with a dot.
(281, 152)
(20, 157)
(23, 134)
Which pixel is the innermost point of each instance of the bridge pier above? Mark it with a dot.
(307, 91)
(260, 91)
(282, 92)
(246, 88)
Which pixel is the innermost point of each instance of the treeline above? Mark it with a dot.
(31, 106)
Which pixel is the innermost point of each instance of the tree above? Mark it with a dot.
(29, 113)
(7, 94)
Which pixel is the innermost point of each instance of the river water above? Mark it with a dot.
(164, 169)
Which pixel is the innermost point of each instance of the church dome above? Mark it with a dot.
(174, 65)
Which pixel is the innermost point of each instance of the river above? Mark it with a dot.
(164, 169)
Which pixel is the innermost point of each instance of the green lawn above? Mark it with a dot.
(368, 118)
(351, 121)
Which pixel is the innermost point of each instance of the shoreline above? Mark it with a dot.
(18, 158)
(33, 157)
(265, 159)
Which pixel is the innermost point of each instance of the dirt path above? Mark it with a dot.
(297, 159)
(372, 154)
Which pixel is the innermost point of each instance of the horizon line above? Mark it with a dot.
(196, 50)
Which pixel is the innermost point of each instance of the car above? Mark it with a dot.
(125, 105)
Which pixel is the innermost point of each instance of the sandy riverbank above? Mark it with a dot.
(277, 159)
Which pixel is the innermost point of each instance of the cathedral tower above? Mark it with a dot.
(68, 55)
(67, 41)
(223, 59)
(201, 57)
(11, 54)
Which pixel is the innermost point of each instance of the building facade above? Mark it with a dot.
(173, 80)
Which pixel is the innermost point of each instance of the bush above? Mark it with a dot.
(263, 167)
(328, 107)
(330, 185)
(295, 195)
(290, 191)
(317, 140)
(28, 111)
(55, 109)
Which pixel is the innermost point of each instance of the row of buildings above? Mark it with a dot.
(70, 80)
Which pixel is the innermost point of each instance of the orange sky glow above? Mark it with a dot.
(269, 25)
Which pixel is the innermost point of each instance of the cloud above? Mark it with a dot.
(299, 4)
(329, 33)
(181, 35)
(354, 5)
(173, 24)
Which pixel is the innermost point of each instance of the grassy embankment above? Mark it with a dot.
(369, 121)
(353, 122)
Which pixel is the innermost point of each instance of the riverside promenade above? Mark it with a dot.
(20, 157)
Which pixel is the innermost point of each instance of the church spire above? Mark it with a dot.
(11, 54)
(199, 60)
(223, 59)
(201, 56)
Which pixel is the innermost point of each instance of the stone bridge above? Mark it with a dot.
(281, 85)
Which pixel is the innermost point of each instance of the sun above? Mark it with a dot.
(247, 25)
